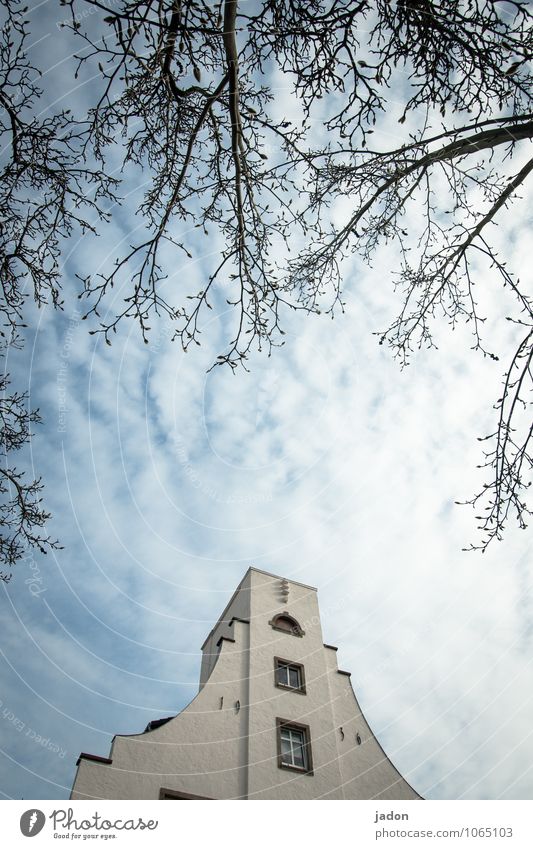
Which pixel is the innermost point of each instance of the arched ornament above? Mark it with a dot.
(286, 623)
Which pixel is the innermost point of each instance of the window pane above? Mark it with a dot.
(283, 674)
(286, 751)
(298, 756)
(294, 677)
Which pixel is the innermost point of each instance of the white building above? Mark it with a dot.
(274, 718)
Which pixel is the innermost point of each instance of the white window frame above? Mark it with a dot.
(283, 668)
(298, 737)
(295, 737)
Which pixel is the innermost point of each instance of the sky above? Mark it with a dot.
(326, 464)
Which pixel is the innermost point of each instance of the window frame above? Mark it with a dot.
(307, 769)
(282, 661)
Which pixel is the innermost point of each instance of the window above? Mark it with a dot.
(294, 746)
(289, 675)
(165, 793)
(285, 622)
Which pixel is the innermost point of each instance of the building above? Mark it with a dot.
(274, 717)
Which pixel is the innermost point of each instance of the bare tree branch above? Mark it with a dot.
(187, 97)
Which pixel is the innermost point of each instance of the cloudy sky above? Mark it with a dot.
(325, 464)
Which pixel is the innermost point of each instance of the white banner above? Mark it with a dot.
(505, 824)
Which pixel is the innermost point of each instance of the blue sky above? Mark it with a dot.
(326, 464)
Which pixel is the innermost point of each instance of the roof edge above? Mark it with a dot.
(98, 758)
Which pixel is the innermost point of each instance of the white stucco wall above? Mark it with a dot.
(200, 751)
(215, 748)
